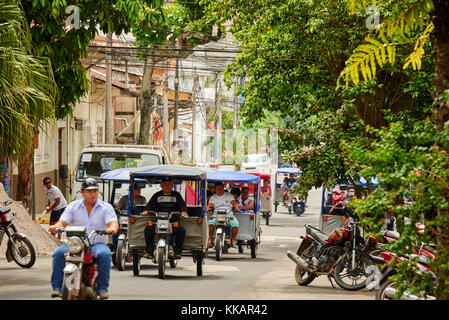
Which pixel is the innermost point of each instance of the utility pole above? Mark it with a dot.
(109, 110)
(166, 123)
(234, 128)
(175, 115)
(195, 81)
(220, 121)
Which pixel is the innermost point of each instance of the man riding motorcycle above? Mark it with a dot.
(166, 200)
(94, 214)
(221, 198)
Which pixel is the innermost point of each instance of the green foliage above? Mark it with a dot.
(403, 24)
(27, 87)
(65, 48)
(406, 160)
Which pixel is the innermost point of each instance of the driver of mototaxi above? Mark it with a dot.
(223, 198)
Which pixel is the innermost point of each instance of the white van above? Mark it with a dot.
(98, 158)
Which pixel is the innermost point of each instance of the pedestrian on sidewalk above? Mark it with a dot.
(56, 201)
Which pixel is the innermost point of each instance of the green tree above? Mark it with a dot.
(426, 24)
(27, 91)
(293, 53)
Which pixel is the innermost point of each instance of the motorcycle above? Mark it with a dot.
(222, 237)
(319, 254)
(80, 270)
(388, 288)
(164, 250)
(19, 247)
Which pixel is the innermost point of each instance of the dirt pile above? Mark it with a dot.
(43, 242)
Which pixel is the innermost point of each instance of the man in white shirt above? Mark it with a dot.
(56, 201)
(222, 198)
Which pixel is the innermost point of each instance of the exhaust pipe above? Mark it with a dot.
(298, 260)
(392, 293)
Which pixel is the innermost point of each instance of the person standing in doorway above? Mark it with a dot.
(56, 201)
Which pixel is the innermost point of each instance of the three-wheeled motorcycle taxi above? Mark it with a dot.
(266, 200)
(280, 175)
(119, 178)
(189, 181)
(249, 222)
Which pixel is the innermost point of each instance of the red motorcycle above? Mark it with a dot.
(80, 270)
(344, 255)
(388, 289)
(20, 248)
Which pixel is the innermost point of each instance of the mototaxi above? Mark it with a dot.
(280, 175)
(189, 181)
(249, 223)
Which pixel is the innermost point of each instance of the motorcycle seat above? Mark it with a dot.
(316, 234)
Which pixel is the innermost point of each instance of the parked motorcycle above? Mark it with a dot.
(389, 289)
(356, 266)
(320, 254)
(19, 247)
(164, 250)
(80, 270)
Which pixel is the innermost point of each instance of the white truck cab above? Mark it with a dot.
(98, 158)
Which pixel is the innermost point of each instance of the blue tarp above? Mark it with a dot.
(233, 176)
(174, 171)
(119, 175)
(288, 170)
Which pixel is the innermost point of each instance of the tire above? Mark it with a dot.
(136, 263)
(299, 208)
(380, 294)
(199, 265)
(363, 263)
(121, 255)
(218, 247)
(241, 248)
(299, 276)
(253, 246)
(25, 248)
(275, 207)
(161, 262)
(173, 263)
(267, 219)
(65, 291)
(114, 257)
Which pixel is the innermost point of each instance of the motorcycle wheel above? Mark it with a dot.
(218, 247)
(381, 293)
(65, 290)
(26, 255)
(161, 262)
(363, 271)
(136, 263)
(299, 276)
(267, 219)
(121, 255)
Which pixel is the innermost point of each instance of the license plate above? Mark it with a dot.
(221, 218)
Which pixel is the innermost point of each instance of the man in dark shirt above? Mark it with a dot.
(165, 200)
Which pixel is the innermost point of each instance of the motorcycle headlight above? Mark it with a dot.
(74, 245)
(123, 220)
(221, 218)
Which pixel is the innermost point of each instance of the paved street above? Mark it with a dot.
(237, 277)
